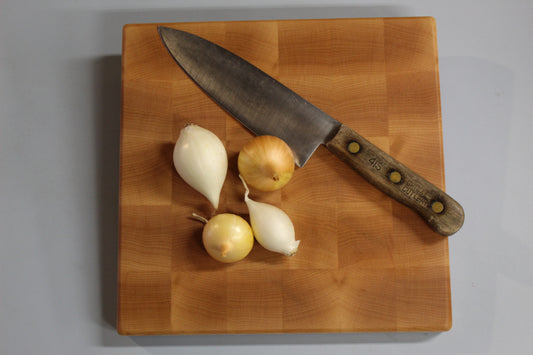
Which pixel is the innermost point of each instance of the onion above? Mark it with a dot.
(266, 163)
(227, 237)
(201, 160)
(272, 227)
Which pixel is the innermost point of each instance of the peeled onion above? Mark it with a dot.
(266, 163)
(201, 160)
(227, 237)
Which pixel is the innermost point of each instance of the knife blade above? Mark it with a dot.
(266, 106)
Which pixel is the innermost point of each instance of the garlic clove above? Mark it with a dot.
(201, 160)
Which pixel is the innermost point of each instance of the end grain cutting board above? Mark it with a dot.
(365, 262)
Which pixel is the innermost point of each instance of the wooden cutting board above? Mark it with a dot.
(365, 264)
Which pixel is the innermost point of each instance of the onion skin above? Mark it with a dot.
(266, 163)
(227, 238)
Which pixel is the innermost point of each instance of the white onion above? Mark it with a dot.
(272, 227)
(201, 160)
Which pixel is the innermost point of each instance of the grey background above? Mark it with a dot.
(59, 130)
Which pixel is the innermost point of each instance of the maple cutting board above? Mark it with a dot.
(365, 264)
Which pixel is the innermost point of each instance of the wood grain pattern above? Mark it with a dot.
(366, 262)
(437, 209)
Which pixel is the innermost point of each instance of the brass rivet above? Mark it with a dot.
(395, 177)
(437, 207)
(354, 147)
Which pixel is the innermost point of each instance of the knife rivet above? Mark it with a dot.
(437, 206)
(354, 147)
(395, 177)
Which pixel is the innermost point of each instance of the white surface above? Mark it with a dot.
(59, 124)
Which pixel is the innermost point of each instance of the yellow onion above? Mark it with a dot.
(266, 163)
(227, 237)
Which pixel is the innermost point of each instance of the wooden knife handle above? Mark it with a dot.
(441, 212)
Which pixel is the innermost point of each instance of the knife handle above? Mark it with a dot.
(441, 212)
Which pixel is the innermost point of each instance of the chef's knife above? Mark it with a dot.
(265, 106)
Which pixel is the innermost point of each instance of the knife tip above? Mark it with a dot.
(165, 33)
(164, 29)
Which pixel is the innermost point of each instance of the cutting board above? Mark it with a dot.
(365, 264)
